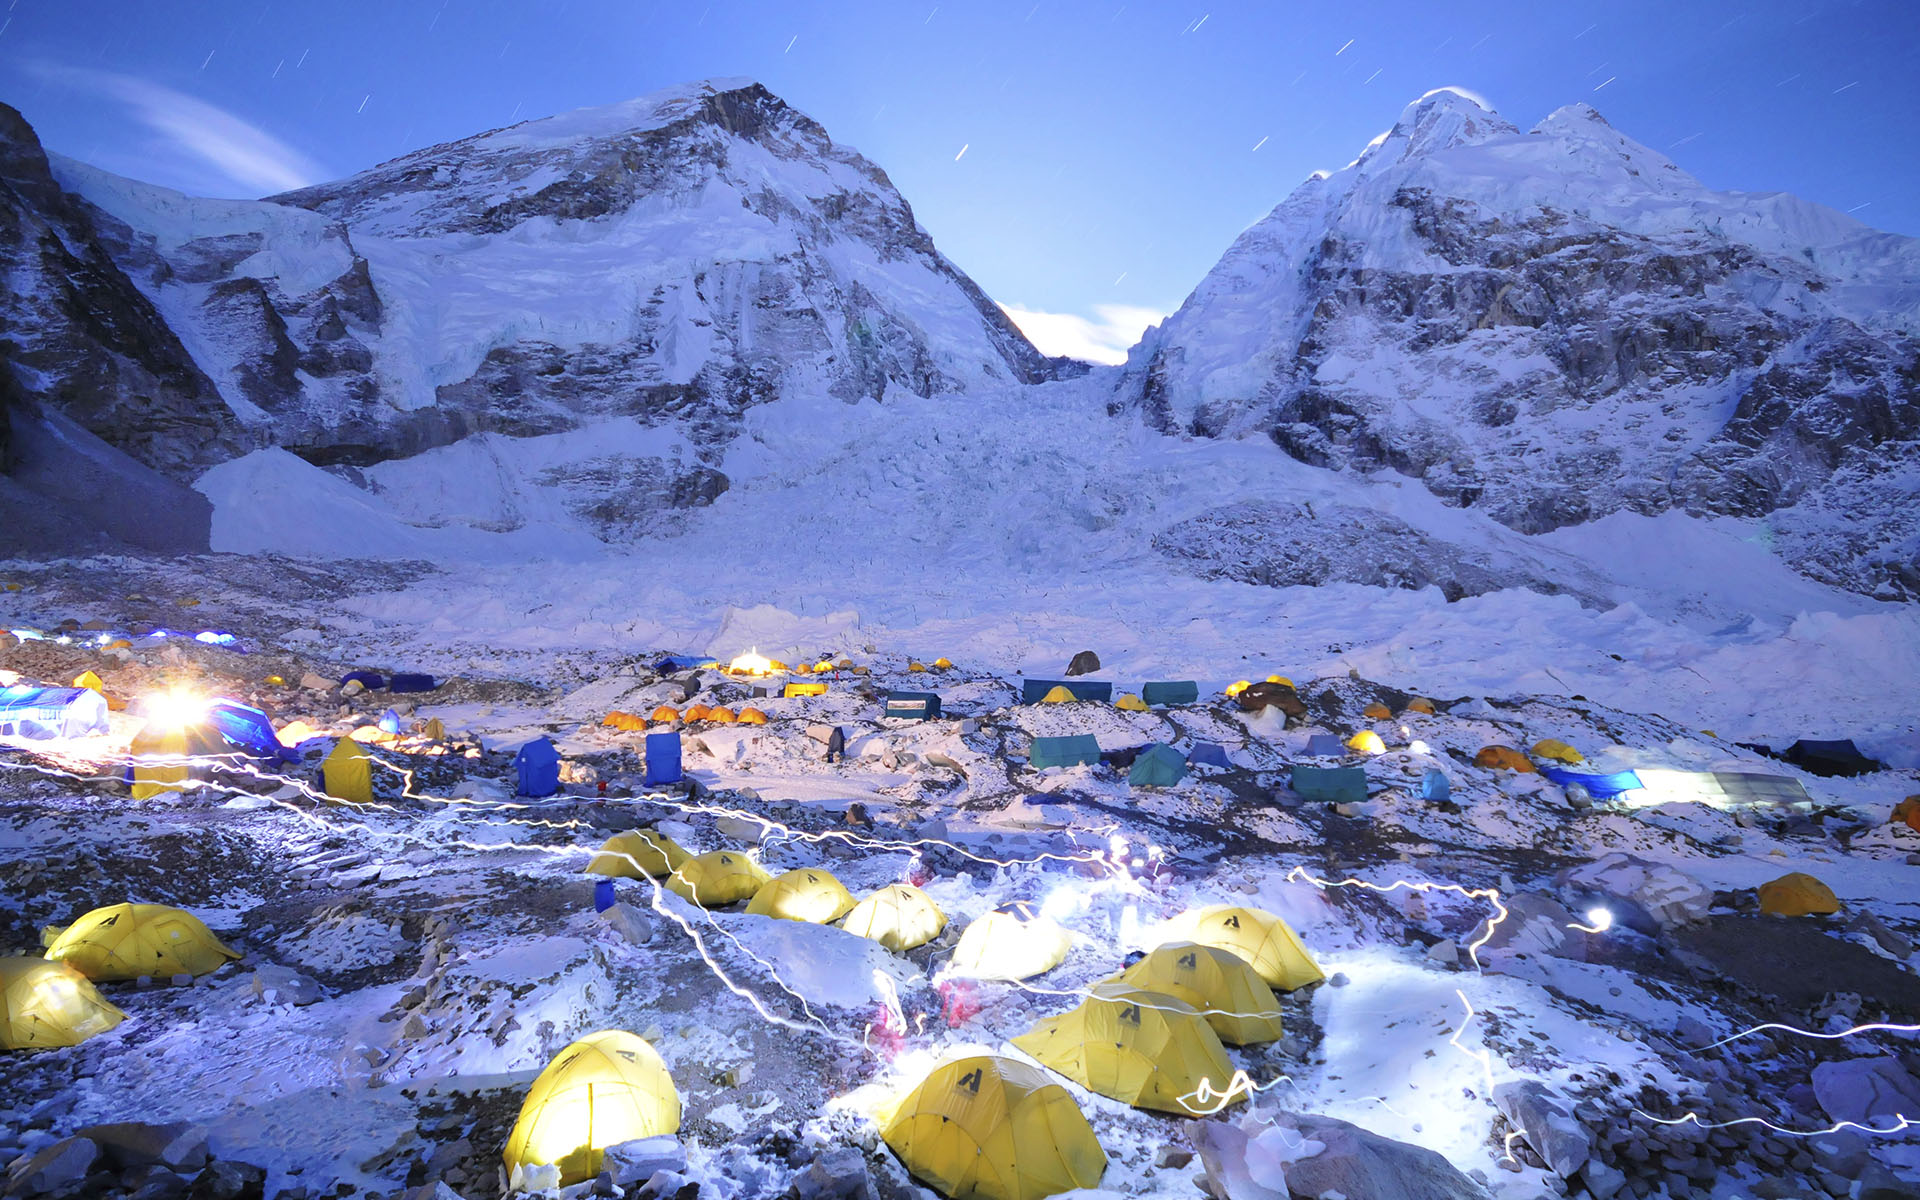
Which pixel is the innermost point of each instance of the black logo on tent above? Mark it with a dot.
(112, 920)
(812, 878)
(629, 1055)
(971, 1081)
(1131, 1014)
(725, 861)
(1232, 922)
(1189, 961)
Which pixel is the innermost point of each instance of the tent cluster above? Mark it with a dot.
(52, 1001)
(1153, 1036)
(666, 714)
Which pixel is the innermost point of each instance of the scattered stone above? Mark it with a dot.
(225, 1179)
(1887, 939)
(316, 683)
(1355, 1163)
(1172, 1157)
(353, 687)
(1084, 663)
(1878, 1183)
(283, 985)
(1444, 952)
(60, 1166)
(1647, 896)
(1547, 1123)
(1603, 1181)
(741, 829)
(1224, 1156)
(737, 1076)
(437, 1190)
(1338, 979)
(180, 1146)
(1865, 1090)
(838, 1174)
(629, 922)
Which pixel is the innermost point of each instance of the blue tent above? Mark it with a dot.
(539, 766)
(913, 705)
(1331, 785)
(1434, 785)
(1183, 691)
(39, 713)
(1208, 754)
(1033, 691)
(1325, 745)
(663, 759)
(1081, 749)
(402, 682)
(1600, 787)
(371, 680)
(247, 727)
(683, 662)
(390, 722)
(1159, 765)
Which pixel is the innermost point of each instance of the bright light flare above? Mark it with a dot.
(1599, 920)
(175, 709)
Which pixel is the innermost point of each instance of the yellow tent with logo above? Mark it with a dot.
(1258, 936)
(1012, 942)
(638, 853)
(347, 774)
(1147, 1049)
(1058, 694)
(1797, 895)
(899, 917)
(1222, 985)
(717, 878)
(1131, 703)
(991, 1128)
(1557, 750)
(808, 894)
(607, 1088)
(127, 941)
(1366, 742)
(45, 1004)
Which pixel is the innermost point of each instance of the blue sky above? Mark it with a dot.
(1112, 149)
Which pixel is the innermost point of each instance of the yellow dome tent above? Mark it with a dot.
(127, 941)
(752, 716)
(1257, 936)
(45, 1004)
(605, 1089)
(1222, 985)
(1366, 742)
(991, 1128)
(808, 894)
(637, 853)
(1238, 686)
(1377, 711)
(1420, 704)
(717, 878)
(1280, 679)
(696, 712)
(1557, 750)
(666, 712)
(1060, 694)
(1504, 758)
(942, 664)
(721, 715)
(916, 665)
(1131, 703)
(347, 774)
(93, 683)
(899, 917)
(1797, 895)
(161, 754)
(1012, 942)
(1147, 1049)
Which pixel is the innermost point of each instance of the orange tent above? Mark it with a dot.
(752, 716)
(1504, 758)
(1377, 712)
(1908, 810)
(721, 715)
(665, 713)
(626, 722)
(697, 712)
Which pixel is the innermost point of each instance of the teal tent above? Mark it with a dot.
(1159, 765)
(1078, 750)
(1183, 691)
(1033, 691)
(1332, 785)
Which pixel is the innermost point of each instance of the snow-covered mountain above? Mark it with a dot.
(657, 267)
(1555, 325)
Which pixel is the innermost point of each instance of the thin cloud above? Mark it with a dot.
(253, 160)
(1105, 338)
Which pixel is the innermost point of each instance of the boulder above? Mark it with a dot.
(629, 922)
(1878, 1183)
(636, 1162)
(225, 1179)
(1643, 895)
(1869, 1091)
(838, 1174)
(1084, 663)
(1225, 1156)
(1271, 695)
(316, 683)
(1536, 924)
(1603, 1180)
(180, 1146)
(284, 985)
(1547, 1123)
(59, 1167)
(1355, 1163)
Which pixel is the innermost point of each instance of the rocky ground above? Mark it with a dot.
(409, 966)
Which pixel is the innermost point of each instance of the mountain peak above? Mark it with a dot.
(1443, 118)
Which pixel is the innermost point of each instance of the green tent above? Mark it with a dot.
(1182, 691)
(1159, 765)
(1080, 749)
(1334, 785)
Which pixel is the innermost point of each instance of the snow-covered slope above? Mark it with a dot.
(1555, 325)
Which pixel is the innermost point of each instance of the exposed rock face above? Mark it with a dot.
(1558, 325)
(666, 264)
